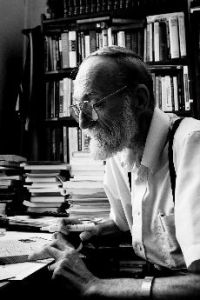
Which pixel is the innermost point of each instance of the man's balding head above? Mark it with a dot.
(110, 68)
(97, 75)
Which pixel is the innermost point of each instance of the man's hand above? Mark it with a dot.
(68, 269)
(84, 236)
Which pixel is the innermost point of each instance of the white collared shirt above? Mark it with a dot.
(162, 233)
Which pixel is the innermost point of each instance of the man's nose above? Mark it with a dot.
(84, 120)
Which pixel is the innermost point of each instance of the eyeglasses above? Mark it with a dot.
(89, 109)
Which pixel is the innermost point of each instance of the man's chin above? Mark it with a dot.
(97, 151)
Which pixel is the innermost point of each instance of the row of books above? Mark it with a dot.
(68, 8)
(44, 183)
(164, 37)
(69, 48)
(61, 142)
(175, 80)
(58, 98)
(81, 7)
(171, 87)
(76, 190)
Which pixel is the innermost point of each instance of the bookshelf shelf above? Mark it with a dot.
(169, 62)
(65, 121)
(58, 74)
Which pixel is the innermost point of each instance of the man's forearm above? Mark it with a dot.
(165, 288)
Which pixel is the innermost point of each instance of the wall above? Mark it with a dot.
(33, 11)
(14, 16)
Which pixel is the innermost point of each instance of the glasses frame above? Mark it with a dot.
(78, 108)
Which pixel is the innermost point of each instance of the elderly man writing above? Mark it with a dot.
(114, 102)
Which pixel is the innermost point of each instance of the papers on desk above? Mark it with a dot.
(20, 271)
(34, 222)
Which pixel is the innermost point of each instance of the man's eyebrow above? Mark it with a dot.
(87, 97)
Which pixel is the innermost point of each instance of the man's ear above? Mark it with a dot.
(141, 97)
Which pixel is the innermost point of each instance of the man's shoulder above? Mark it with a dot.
(187, 128)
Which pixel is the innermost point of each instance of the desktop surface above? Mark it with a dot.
(19, 271)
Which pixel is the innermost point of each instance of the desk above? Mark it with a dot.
(34, 279)
(22, 271)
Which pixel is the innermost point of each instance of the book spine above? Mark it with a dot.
(186, 88)
(134, 42)
(65, 145)
(87, 45)
(169, 107)
(104, 33)
(163, 41)
(145, 45)
(92, 34)
(57, 99)
(65, 49)
(73, 141)
(61, 98)
(182, 37)
(121, 38)
(175, 91)
(128, 40)
(181, 102)
(110, 37)
(72, 49)
(156, 41)
(174, 37)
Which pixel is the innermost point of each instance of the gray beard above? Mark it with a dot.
(106, 142)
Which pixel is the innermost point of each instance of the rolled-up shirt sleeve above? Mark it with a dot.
(118, 193)
(187, 197)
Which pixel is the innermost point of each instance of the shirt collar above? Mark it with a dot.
(156, 139)
(155, 142)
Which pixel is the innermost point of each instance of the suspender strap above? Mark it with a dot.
(172, 171)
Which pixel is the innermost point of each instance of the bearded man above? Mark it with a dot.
(114, 103)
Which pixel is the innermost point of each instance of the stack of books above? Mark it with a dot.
(11, 183)
(87, 197)
(44, 182)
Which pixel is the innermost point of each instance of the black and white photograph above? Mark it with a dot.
(100, 149)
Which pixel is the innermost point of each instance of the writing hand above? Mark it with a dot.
(69, 269)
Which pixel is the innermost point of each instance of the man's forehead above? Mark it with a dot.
(95, 74)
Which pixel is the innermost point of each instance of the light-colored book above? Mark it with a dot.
(175, 91)
(156, 40)
(47, 166)
(121, 38)
(82, 184)
(46, 190)
(41, 204)
(47, 199)
(182, 36)
(174, 37)
(51, 179)
(72, 49)
(187, 100)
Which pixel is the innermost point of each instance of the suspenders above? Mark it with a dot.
(172, 171)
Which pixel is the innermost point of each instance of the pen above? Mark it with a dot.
(50, 228)
(83, 226)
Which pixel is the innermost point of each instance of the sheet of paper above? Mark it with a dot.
(20, 271)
